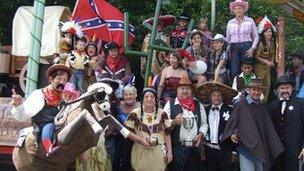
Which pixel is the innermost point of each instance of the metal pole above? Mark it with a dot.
(190, 27)
(34, 53)
(213, 11)
(150, 51)
(126, 31)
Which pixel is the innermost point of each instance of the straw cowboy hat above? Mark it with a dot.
(165, 19)
(256, 83)
(206, 89)
(57, 67)
(239, 3)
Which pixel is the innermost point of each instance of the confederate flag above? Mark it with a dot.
(99, 18)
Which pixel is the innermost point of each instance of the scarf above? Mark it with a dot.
(187, 103)
(247, 78)
(52, 97)
(113, 62)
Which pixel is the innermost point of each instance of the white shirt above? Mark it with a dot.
(189, 134)
(30, 107)
(214, 121)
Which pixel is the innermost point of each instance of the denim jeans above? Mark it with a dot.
(238, 55)
(77, 78)
(248, 161)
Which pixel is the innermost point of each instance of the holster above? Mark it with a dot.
(22, 135)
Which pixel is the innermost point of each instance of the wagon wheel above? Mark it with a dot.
(22, 78)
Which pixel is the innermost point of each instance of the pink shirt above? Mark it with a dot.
(242, 31)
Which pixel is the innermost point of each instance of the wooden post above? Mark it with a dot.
(281, 46)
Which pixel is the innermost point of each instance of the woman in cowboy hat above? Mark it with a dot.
(198, 51)
(250, 126)
(218, 155)
(241, 35)
(265, 53)
(178, 35)
(42, 104)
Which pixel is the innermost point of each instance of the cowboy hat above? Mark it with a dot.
(194, 32)
(298, 55)
(57, 67)
(165, 19)
(285, 79)
(114, 84)
(111, 45)
(219, 37)
(183, 16)
(239, 3)
(185, 81)
(206, 89)
(255, 83)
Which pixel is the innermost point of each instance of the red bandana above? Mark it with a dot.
(52, 97)
(187, 103)
(113, 62)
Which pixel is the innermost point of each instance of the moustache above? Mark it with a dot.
(285, 93)
(60, 87)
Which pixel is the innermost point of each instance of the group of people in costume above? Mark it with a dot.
(207, 106)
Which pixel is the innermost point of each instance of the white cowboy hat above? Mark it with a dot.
(219, 37)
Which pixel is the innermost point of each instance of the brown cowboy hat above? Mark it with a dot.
(185, 81)
(57, 67)
(206, 89)
(165, 19)
(257, 83)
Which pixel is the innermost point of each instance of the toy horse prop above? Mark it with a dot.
(80, 124)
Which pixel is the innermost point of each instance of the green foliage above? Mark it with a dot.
(141, 10)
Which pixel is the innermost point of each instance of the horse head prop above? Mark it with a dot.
(79, 123)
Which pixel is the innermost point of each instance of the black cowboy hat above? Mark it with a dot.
(285, 79)
(111, 45)
(183, 16)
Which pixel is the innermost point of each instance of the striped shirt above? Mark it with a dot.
(242, 31)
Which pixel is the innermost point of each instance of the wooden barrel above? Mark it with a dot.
(5, 62)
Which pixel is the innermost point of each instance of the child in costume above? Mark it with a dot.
(217, 69)
(179, 34)
(68, 94)
(78, 62)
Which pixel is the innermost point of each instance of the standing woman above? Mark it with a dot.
(265, 53)
(122, 161)
(149, 123)
(241, 35)
(170, 77)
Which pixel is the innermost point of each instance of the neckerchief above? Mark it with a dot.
(247, 78)
(113, 62)
(52, 97)
(187, 103)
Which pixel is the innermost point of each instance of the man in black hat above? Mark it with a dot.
(179, 34)
(288, 118)
(297, 70)
(250, 126)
